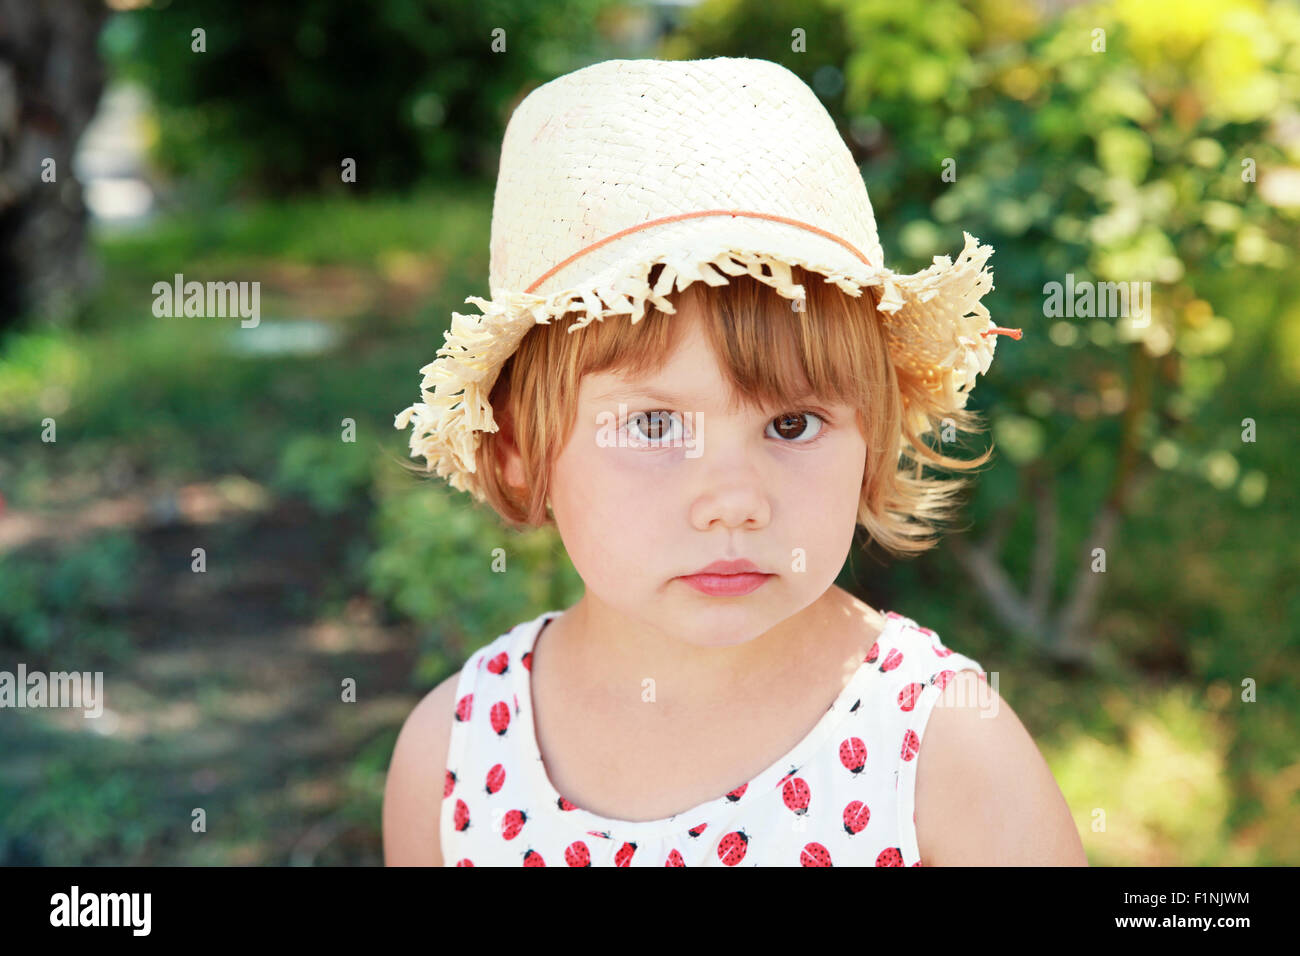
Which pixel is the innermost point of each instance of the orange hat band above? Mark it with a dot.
(996, 330)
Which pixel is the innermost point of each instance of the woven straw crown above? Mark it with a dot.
(712, 168)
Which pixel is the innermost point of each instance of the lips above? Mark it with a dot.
(728, 578)
(740, 566)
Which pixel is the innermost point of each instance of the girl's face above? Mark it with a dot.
(641, 499)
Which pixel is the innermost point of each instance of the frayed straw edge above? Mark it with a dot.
(448, 420)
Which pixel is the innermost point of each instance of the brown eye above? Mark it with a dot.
(652, 426)
(794, 426)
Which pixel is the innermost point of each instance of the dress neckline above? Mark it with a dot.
(712, 811)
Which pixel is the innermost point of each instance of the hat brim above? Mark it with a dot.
(934, 321)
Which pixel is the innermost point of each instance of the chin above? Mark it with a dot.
(724, 622)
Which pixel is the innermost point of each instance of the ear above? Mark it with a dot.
(508, 457)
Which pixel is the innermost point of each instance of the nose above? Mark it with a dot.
(732, 491)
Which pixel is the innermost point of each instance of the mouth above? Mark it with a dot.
(727, 578)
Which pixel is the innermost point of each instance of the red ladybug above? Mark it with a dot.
(911, 744)
(514, 822)
(732, 847)
(696, 831)
(499, 664)
(814, 854)
(528, 660)
(737, 793)
(465, 862)
(908, 695)
(533, 858)
(624, 855)
(674, 859)
(890, 857)
(796, 795)
(496, 778)
(856, 817)
(872, 654)
(940, 680)
(464, 706)
(461, 817)
(565, 805)
(449, 785)
(853, 754)
(892, 660)
(577, 854)
(500, 717)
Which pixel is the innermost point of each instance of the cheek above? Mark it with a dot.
(609, 511)
(820, 496)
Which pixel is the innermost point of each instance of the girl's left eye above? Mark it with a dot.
(794, 422)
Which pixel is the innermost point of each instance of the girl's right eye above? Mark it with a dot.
(653, 427)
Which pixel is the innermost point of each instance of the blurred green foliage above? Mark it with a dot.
(62, 606)
(447, 563)
(413, 90)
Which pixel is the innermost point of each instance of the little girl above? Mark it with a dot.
(679, 368)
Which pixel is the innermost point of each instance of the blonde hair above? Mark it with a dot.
(769, 352)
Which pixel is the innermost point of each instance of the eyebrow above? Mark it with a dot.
(677, 401)
(654, 395)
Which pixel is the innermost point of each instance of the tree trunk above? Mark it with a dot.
(51, 78)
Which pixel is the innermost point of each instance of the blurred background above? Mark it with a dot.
(1129, 561)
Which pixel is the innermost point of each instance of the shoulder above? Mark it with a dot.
(416, 778)
(984, 794)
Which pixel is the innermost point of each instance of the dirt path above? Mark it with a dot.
(230, 700)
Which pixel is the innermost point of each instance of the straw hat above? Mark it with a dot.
(714, 168)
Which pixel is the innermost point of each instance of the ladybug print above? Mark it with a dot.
(796, 795)
(500, 717)
(814, 854)
(512, 823)
(577, 854)
(908, 695)
(732, 847)
(495, 772)
(856, 817)
(911, 744)
(464, 708)
(624, 855)
(890, 857)
(853, 754)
